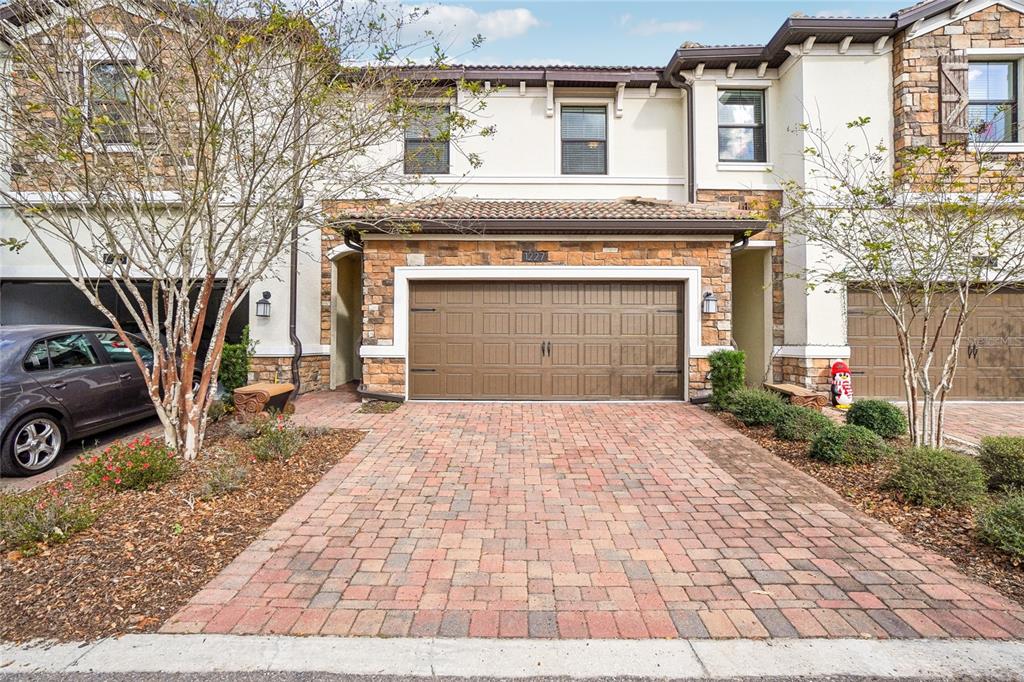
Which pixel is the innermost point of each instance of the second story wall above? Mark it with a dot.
(645, 145)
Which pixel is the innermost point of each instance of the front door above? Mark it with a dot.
(545, 340)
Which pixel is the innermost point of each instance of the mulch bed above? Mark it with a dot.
(149, 552)
(949, 532)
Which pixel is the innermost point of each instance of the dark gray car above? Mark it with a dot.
(59, 383)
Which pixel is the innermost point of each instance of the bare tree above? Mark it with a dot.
(931, 239)
(187, 146)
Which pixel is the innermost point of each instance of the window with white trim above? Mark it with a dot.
(741, 128)
(584, 136)
(427, 142)
(992, 101)
(109, 102)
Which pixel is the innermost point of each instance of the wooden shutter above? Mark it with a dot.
(953, 97)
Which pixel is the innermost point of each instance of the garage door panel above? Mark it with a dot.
(497, 323)
(565, 354)
(458, 323)
(597, 324)
(991, 359)
(537, 340)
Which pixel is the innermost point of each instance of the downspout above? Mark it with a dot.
(691, 165)
(293, 275)
(740, 243)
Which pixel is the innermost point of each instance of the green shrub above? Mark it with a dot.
(881, 416)
(938, 478)
(136, 465)
(728, 370)
(279, 441)
(1002, 458)
(755, 407)
(848, 444)
(43, 515)
(226, 476)
(234, 363)
(1002, 525)
(800, 423)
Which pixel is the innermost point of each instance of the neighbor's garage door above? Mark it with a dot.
(991, 355)
(545, 340)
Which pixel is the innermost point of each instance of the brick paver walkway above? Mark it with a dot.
(973, 421)
(573, 521)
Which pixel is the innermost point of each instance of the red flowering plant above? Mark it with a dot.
(136, 465)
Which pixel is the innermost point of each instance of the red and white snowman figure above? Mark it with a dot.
(842, 385)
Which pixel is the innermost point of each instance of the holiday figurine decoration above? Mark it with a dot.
(842, 385)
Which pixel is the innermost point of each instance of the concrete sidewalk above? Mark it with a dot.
(482, 658)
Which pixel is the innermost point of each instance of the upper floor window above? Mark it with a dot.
(584, 140)
(741, 131)
(427, 142)
(109, 92)
(992, 105)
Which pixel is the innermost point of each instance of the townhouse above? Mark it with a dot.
(617, 231)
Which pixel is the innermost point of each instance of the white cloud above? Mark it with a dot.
(650, 27)
(460, 24)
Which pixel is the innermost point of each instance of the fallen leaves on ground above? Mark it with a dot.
(149, 552)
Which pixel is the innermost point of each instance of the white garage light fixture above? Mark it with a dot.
(263, 305)
(709, 304)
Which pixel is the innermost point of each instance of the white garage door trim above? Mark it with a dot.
(688, 274)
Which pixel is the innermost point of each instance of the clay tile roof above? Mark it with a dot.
(625, 208)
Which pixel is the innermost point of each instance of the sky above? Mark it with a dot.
(614, 33)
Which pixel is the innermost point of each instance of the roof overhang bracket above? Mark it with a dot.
(522, 88)
(808, 44)
(698, 71)
(880, 44)
(653, 90)
(549, 107)
(762, 68)
(959, 11)
(620, 94)
(844, 45)
(730, 71)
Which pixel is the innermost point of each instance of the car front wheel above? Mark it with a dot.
(32, 445)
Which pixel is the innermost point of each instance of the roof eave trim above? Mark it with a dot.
(605, 225)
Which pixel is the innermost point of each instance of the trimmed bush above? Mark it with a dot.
(234, 364)
(800, 423)
(880, 416)
(136, 465)
(848, 444)
(1002, 458)
(728, 371)
(1002, 525)
(938, 478)
(755, 407)
(44, 515)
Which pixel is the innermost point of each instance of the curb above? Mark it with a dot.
(524, 658)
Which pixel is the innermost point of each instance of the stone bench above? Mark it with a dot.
(798, 395)
(262, 397)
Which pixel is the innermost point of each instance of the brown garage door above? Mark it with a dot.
(545, 340)
(991, 359)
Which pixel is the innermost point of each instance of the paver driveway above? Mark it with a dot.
(580, 520)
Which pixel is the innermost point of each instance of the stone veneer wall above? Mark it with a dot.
(768, 203)
(380, 257)
(314, 371)
(813, 373)
(915, 64)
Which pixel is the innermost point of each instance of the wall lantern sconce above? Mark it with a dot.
(709, 304)
(263, 305)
